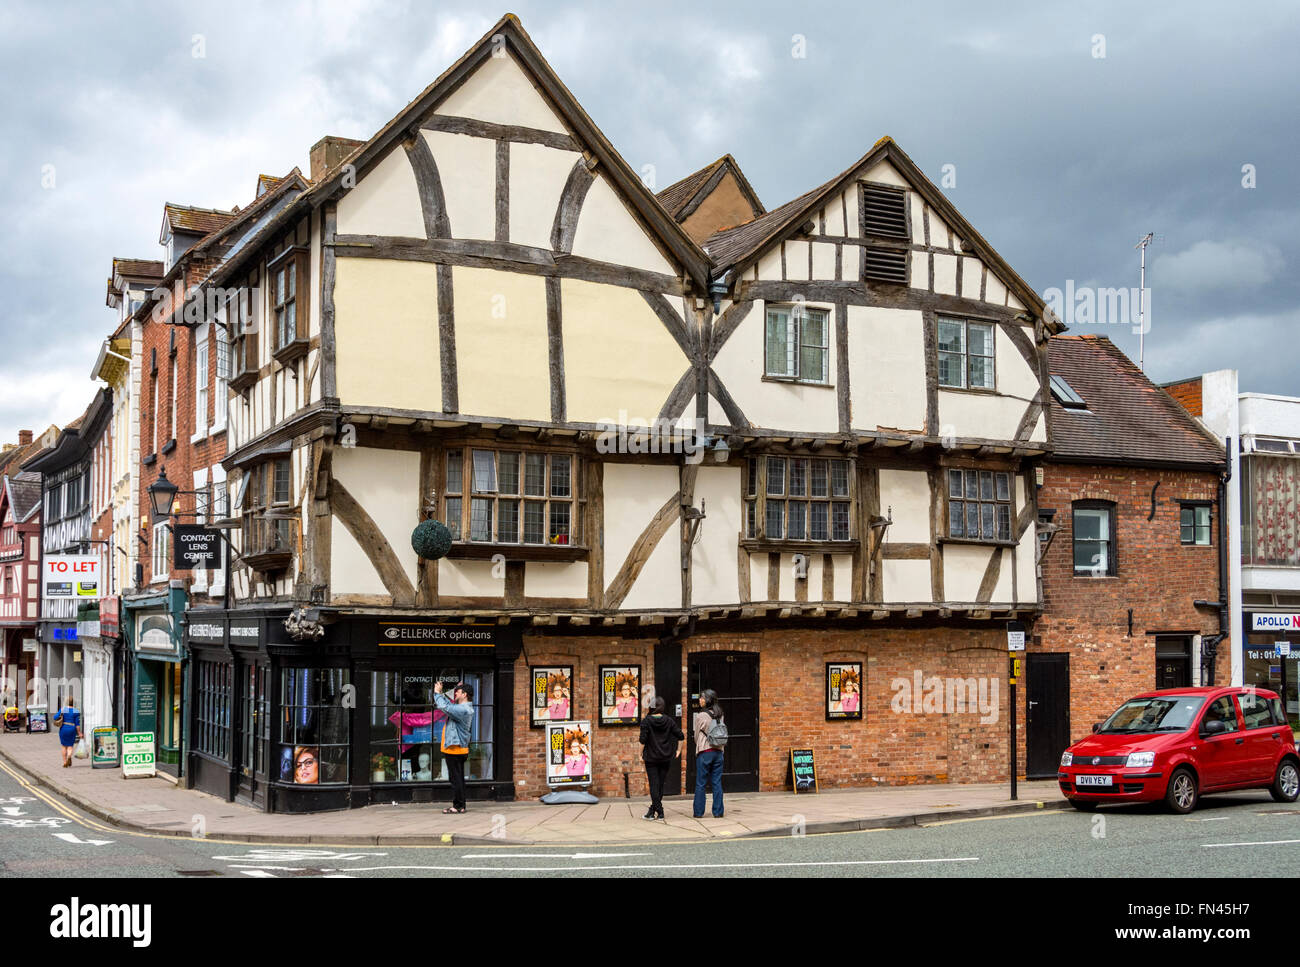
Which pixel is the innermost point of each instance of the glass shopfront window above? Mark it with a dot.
(406, 728)
(316, 728)
(1263, 667)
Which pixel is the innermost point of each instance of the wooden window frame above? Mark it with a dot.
(461, 520)
(794, 324)
(244, 336)
(289, 278)
(1112, 540)
(755, 497)
(979, 500)
(259, 548)
(966, 323)
(1194, 506)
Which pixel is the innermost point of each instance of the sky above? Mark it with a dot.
(1063, 135)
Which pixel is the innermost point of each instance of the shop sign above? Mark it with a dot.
(196, 547)
(212, 631)
(137, 755)
(1265, 621)
(70, 576)
(110, 617)
(63, 633)
(1282, 649)
(37, 719)
(568, 754)
(103, 747)
(154, 632)
(803, 770)
(438, 636)
(29, 644)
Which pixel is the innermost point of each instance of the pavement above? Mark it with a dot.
(157, 805)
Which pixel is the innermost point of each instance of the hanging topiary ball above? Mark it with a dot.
(431, 540)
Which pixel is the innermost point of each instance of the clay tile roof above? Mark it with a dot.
(24, 494)
(186, 218)
(729, 246)
(676, 195)
(267, 183)
(138, 267)
(1128, 418)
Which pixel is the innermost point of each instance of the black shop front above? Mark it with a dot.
(317, 711)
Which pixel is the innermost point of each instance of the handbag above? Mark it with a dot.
(80, 751)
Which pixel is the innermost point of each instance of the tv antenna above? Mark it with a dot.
(1150, 238)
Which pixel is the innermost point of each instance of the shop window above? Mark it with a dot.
(213, 684)
(979, 505)
(316, 728)
(406, 728)
(799, 499)
(511, 497)
(1094, 538)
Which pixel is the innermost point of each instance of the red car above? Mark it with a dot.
(1177, 743)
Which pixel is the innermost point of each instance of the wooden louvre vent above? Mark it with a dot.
(885, 265)
(883, 212)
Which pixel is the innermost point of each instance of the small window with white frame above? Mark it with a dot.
(966, 354)
(797, 344)
(161, 546)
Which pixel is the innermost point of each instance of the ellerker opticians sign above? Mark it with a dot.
(70, 576)
(447, 636)
(1275, 622)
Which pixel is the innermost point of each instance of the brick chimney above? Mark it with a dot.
(328, 152)
(24, 438)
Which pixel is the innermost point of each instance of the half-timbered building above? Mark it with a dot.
(793, 454)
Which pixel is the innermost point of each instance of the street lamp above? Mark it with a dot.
(162, 494)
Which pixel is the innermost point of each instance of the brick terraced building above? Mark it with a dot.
(1129, 511)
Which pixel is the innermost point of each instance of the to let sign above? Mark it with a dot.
(70, 576)
(197, 548)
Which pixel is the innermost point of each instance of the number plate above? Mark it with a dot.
(1092, 780)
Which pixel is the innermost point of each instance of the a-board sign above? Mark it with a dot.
(803, 768)
(37, 719)
(103, 747)
(137, 754)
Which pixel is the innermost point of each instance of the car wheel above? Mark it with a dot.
(1286, 784)
(1083, 805)
(1180, 796)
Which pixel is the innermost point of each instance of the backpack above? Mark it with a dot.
(716, 733)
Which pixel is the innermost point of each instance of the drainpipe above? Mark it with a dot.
(1210, 644)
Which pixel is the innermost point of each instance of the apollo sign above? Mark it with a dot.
(1275, 622)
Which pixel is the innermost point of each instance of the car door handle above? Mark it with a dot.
(1239, 741)
(1276, 735)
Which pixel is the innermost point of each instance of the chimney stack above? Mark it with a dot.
(328, 152)
(24, 438)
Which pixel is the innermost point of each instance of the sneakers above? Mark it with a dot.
(651, 815)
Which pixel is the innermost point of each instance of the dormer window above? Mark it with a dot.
(288, 275)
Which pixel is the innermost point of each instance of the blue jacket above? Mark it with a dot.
(460, 720)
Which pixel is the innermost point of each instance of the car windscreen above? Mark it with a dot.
(1171, 713)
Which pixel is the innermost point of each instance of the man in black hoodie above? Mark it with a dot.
(659, 735)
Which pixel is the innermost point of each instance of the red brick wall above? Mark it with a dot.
(1157, 576)
(188, 457)
(886, 747)
(1187, 393)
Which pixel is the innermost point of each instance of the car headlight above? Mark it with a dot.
(1067, 759)
(1140, 760)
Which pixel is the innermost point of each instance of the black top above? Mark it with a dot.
(660, 735)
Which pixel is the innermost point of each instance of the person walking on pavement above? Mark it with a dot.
(69, 730)
(659, 735)
(708, 758)
(455, 737)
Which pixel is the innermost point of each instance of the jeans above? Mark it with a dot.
(456, 773)
(708, 771)
(657, 773)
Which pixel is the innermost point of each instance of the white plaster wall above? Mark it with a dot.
(383, 482)
(945, 274)
(385, 202)
(920, 278)
(823, 260)
(465, 579)
(963, 569)
(796, 260)
(907, 492)
(995, 293)
(887, 174)
(502, 355)
(537, 178)
(788, 406)
(1013, 302)
(1026, 569)
(769, 264)
(500, 92)
(758, 577)
(467, 170)
(843, 564)
(1015, 377)
(547, 579)
(1002, 589)
(939, 233)
(713, 559)
(607, 232)
(905, 582)
(971, 270)
(633, 494)
(987, 417)
(834, 217)
(887, 368)
(918, 218)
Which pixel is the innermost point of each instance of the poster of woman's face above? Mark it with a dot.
(568, 753)
(844, 690)
(306, 764)
(620, 694)
(552, 695)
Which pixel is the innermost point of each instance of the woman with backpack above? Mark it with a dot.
(708, 728)
(659, 735)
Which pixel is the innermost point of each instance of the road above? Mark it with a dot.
(42, 835)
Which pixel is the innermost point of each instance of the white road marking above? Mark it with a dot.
(548, 856)
(13, 811)
(1267, 842)
(1212, 819)
(72, 838)
(45, 821)
(669, 866)
(261, 873)
(294, 855)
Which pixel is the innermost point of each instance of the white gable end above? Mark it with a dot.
(500, 92)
